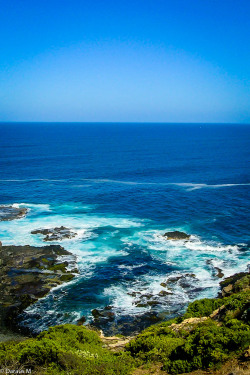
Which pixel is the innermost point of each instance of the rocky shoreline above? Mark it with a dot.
(28, 273)
(211, 338)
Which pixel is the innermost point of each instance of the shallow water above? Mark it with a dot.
(121, 187)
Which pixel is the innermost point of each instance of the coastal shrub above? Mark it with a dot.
(155, 343)
(237, 301)
(67, 277)
(66, 349)
(239, 281)
(202, 307)
(75, 350)
(58, 267)
(205, 306)
(242, 284)
(7, 353)
(204, 345)
(70, 336)
(208, 345)
(37, 352)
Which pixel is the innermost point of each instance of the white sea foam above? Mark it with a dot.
(33, 207)
(94, 246)
(198, 245)
(188, 185)
(32, 179)
(130, 268)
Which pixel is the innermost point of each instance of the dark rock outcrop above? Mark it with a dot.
(55, 234)
(219, 274)
(102, 315)
(235, 283)
(176, 236)
(27, 273)
(8, 213)
(81, 321)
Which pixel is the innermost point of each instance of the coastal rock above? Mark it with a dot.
(187, 324)
(133, 294)
(81, 321)
(164, 293)
(216, 270)
(232, 284)
(115, 343)
(101, 315)
(55, 234)
(176, 236)
(28, 273)
(148, 300)
(8, 213)
(184, 280)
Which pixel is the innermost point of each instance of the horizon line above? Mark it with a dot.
(124, 122)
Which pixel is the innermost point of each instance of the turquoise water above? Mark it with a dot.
(121, 187)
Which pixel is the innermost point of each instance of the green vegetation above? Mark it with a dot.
(211, 332)
(65, 349)
(208, 345)
(190, 343)
(58, 267)
(66, 278)
(202, 307)
(239, 281)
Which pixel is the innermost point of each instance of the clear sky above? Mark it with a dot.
(140, 60)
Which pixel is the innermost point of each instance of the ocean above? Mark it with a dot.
(120, 187)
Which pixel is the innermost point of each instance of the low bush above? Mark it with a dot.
(208, 345)
(65, 349)
(205, 344)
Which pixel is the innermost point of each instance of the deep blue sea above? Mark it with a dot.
(121, 187)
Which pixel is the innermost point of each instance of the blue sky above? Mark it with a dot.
(156, 61)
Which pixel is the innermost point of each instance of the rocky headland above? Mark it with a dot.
(28, 273)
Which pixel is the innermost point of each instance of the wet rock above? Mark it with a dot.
(216, 270)
(164, 285)
(133, 294)
(28, 273)
(184, 280)
(8, 213)
(55, 234)
(164, 293)
(96, 313)
(176, 236)
(81, 321)
(219, 274)
(140, 304)
(147, 296)
(153, 303)
(103, 314)
(173, 279)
